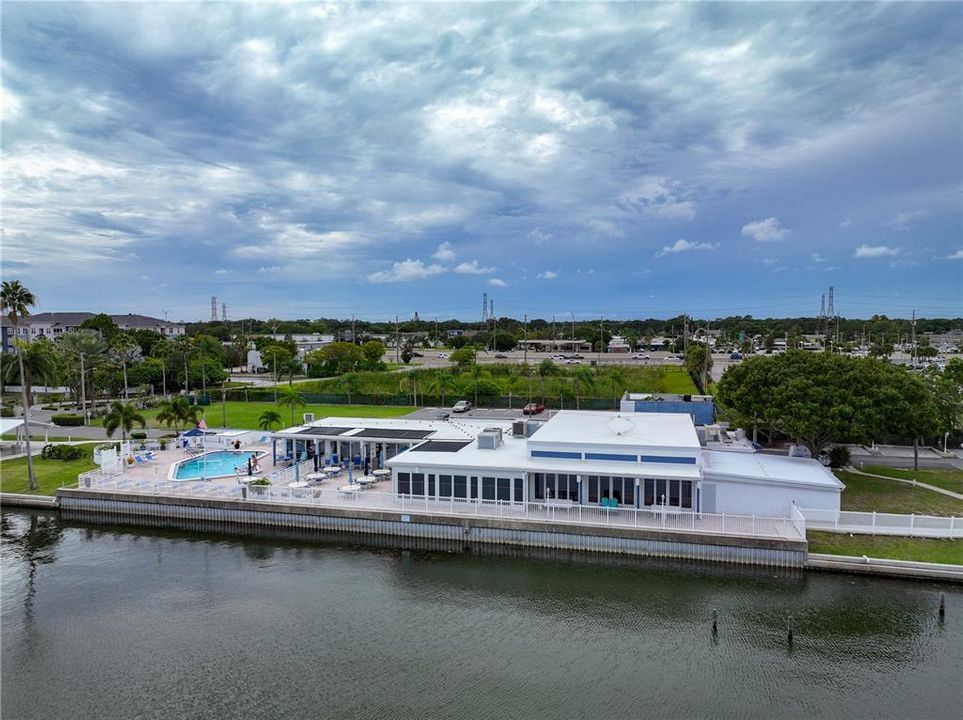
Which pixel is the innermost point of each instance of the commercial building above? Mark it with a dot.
(641, 460)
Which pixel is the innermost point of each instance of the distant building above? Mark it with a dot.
(53, 325)
(618, 344)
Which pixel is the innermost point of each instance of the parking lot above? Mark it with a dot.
(434, 413)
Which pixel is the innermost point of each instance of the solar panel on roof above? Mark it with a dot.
(441, 446)
(394, 434)
(326, 431)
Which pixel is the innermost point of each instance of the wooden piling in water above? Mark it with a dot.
(715, 621)
(942, 605)
(789, 630)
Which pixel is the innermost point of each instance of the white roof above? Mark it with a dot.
(767, 468)
(512, 456)
(587, 427)
(451, 429)
(9, 424)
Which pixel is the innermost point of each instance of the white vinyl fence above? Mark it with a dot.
(874, 523)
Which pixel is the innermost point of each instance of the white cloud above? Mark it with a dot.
(768, 230)
(769, 262)
(658, 197)
(903, 220)
(221, 271)
(548, 275)
(958, 255)
(817, 258)
(445, 252)
(497, 282)
(604, 228)
(473, 268)
(406, 271)
(876, 251)
(269, 270)
(685, 246)
(539, 236)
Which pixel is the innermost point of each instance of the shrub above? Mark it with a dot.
(67, 420)
(163, 444)
(260, 481)
(138, 435)
(61, 452)
(6, 411)
(839, 456)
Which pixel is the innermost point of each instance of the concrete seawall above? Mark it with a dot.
(28, 501)
(481, 530)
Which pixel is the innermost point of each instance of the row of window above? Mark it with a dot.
(461, 486)
(616, 457)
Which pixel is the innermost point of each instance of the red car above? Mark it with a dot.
(533, 409)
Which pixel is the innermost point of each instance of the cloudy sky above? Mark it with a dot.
(307, 160)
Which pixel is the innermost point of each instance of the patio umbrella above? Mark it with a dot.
(297, 472)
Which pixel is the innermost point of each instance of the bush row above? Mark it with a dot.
(66, 420)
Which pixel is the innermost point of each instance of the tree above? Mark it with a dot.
(334, 359)
(618, 379)
(103, 324)
(584, 379)
(124, 351)
(446, 385)
(823, 398)
(124, 416)
(16, 301)
(407, 354)
(698, 359)
(545, 369)
(39, 361)
(176, 411)
(81, 352)
(373, 351)
(351, 384)
(504, 342)
(463, 357)
(268, 419)
(292, 398)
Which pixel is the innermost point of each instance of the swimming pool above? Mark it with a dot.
(220, 463)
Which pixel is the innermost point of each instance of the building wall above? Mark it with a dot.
(768, 500)
(703, 413)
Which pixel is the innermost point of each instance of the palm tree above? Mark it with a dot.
(175, 411)
(292, 398)
(351, 384)
(584, 378)
(81, 351)
(268, 419)
(618, 378)
(16, 301)
(445, 384)
(476, 373)
(123, 416)
(39, 361)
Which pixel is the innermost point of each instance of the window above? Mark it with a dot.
(404, 483)
(504, 489)
(674, 493)
(567, 487)
(611, 456)
(660, 495)
(669, 459)
(488, 488)
(687, 494)
(444, 486)
(539, 486)
(593, 491)
(473, 487)
(519, 490)
(628, 491)
(418, 484)
(461, 486)
(431, 485)
(556, 454)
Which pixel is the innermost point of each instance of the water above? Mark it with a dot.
(106, 621)
(219, 463)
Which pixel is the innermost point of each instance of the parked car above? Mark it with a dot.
(416, 354)
(572, 361)
(576, 356)
(501, 356)
(461, 406)
(533, 409)
(736, 356)
(443, 356)
(640, 356)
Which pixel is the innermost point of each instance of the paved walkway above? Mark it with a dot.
(881, 566)
(914, 483)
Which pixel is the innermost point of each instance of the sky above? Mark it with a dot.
(629, 160)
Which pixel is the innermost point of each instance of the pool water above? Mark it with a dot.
(219, 463)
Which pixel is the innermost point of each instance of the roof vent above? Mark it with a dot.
(489, 438)
(518, 428)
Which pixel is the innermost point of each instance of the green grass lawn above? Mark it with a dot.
(245, 415)
(949, 552)
(866, 494)
(945, 479)
(50, 474)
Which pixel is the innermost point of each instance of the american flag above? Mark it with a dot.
(202, 424)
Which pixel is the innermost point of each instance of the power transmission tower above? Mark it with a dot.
(213, 309)
(831, 311)
(484, 307)
(224, 312)
(822, 307)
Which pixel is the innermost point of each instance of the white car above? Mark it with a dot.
(572, 361)
(443, 356)
(461, 406)
(640, 356)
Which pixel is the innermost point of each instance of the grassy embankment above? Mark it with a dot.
(511, 378)
(866, 494)
(946, 479)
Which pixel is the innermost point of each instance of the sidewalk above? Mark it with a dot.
(914, 483)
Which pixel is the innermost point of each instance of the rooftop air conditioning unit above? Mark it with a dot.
(489, 438)
(308, 418)
(518, 428)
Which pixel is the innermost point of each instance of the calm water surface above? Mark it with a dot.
(106, 621)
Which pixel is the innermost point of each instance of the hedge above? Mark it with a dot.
(62, 452)
(67, 420)
(138, 435)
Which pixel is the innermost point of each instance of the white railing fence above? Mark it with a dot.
(558, 514)
(877, 523)
(798, 520)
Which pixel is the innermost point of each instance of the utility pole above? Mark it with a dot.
(554, 338)
(913, 345)
(526, 342)
(601, 340)
(164, 375)
(685, 334)
(573, 332)
(354, 336)
(83, 389)
(397, 342)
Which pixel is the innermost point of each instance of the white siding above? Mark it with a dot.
(770, 500)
